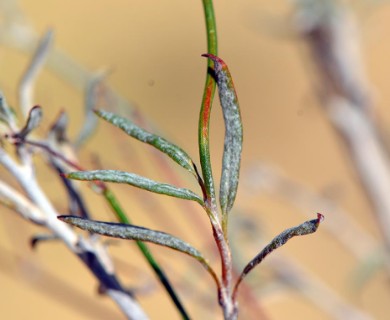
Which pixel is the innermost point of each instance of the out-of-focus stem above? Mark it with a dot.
(333, 42)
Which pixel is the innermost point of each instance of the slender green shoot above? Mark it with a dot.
(208, 97)
(123, 218)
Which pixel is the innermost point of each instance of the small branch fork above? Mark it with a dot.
(35, 206)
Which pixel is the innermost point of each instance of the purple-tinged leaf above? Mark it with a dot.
(58, 130)
(174, 152)
(39, 238)
(33, 121)
(233, 134)
(305, 228)
(136, 181)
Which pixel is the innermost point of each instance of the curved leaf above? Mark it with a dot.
(305, 228)
(233, 134)
(26, 85)
(33, 121)
(136, 181)
(174, 152)
(131, 232)
(95, 96)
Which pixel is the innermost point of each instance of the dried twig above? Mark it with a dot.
(332, 39)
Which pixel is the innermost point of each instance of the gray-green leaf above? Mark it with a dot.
(305, 228)
(174, 152)
(233, 134)
(131, 232)
(136, 181)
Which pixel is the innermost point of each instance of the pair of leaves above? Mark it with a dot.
(131, 232)
(174, 152)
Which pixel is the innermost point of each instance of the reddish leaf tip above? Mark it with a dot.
(320, 217)
(66, 218)
(64, 175)
(216, 59)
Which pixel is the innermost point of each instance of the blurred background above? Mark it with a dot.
(296, 160)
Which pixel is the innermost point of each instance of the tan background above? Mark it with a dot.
(154, 49)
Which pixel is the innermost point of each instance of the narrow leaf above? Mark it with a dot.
(233, 134)
(26, 85)
(174, 152)
(131, 232)
(136, 181)
(96, 96)
(305, 228)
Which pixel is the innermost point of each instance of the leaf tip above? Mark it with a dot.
(320, 217)
(67, 218)
(62, 218)
(218, 61)
(97, 111)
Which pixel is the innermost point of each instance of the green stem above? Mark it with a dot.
(122, 217)
(208, 96)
